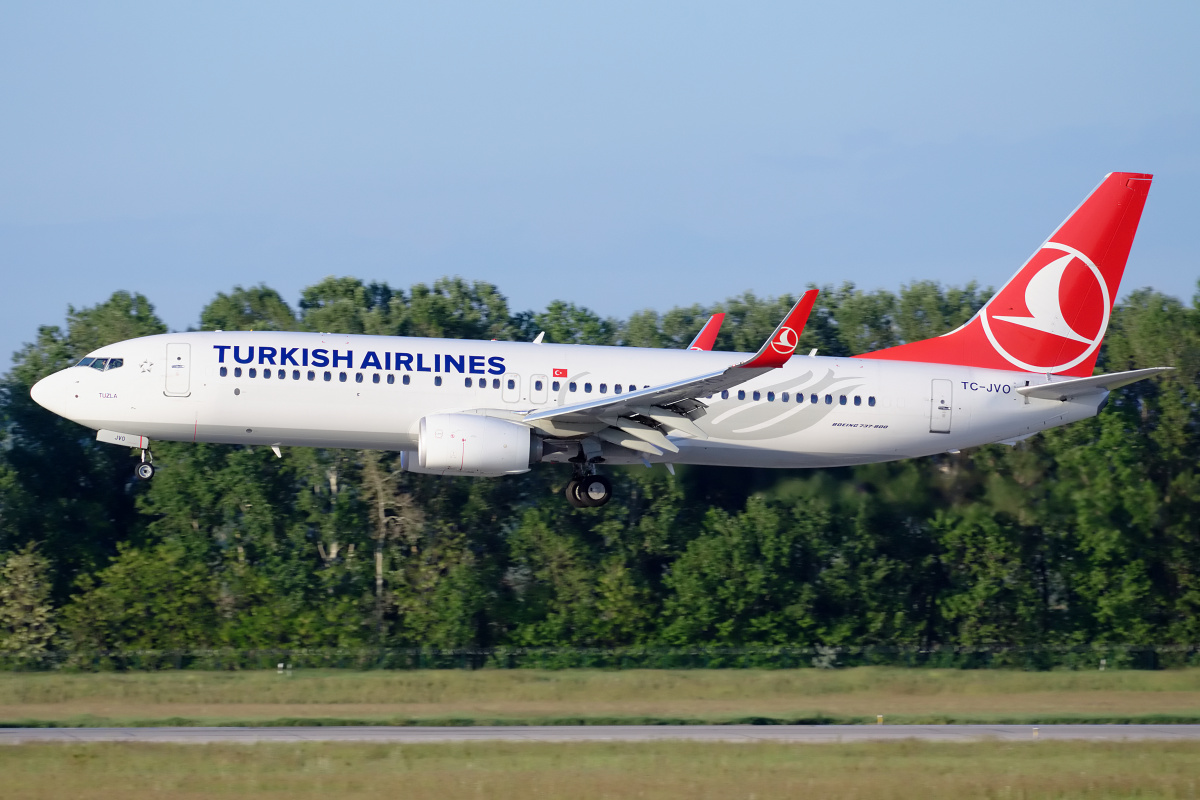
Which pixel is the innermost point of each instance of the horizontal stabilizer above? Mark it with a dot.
(1065, 390)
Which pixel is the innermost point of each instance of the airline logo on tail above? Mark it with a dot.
(1032, 305)
(785, 341)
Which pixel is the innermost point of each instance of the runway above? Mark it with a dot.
(799, 734)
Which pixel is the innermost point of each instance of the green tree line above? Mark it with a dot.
(1084, 534)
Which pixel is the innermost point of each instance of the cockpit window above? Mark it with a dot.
(101, 364)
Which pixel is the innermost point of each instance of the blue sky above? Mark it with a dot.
(620, 156)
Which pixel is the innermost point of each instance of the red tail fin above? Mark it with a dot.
(1052, 315)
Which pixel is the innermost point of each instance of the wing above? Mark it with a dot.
(707, 336)
(641, 420)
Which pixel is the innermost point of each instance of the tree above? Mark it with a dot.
(151, 599)
(26, 615)
(255, 309)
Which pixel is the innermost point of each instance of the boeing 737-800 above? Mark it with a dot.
(1021, 365)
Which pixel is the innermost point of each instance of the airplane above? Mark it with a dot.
(1021, 365)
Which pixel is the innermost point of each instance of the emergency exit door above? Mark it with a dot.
(178, 369)
(510, 391)
(941, 406)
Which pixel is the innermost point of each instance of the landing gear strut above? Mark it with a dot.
(145, 470)
(587, 489)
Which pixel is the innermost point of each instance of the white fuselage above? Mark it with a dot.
(281, 388)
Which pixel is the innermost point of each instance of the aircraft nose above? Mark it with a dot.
(48, 393)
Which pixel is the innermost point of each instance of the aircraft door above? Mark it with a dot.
(941, 406)
(538, 391)
(178, 370)
(510, 388)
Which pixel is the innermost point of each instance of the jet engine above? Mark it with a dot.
(469, 444)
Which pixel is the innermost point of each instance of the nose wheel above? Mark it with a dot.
(145, 470)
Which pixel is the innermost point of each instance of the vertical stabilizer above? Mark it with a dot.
(1052, 315)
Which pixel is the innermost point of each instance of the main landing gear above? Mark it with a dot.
(588, 490)
(145, 470)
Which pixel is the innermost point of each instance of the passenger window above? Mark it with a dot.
(871, 401)
(741, 394)
(295, 374)
(358, 377)
(406, 379)
(375, 378)
(757, 396)
(437, 380)
(252, 372)
(328, 376)
(282, 374)
(812, 398)
(467, 383)
(555, 386)
(587, 387)
(495, 383)
(571, 387)
(537, 385)
(604, 388)
(770, 397)
(512, 384)
(857, 400)
(224, 371)
(633, 387)
(312, 376)
(828, 399)
(267, 374)
(391, 378)
(342, 377)
(783, 398)
(842, 400)
(724, 394)
(237, 372)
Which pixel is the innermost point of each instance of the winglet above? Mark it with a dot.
(707, 336)
(779, 348)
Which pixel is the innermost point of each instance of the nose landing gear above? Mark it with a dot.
(145, 470)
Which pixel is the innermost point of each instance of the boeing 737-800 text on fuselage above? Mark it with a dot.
(1021, 365)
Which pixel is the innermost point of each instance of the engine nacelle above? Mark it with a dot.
(469, 444)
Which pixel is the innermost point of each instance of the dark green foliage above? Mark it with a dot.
(1086, 534)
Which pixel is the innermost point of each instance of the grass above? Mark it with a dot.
(593, 696)
(898, 770)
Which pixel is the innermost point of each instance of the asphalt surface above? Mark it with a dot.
(607, 733)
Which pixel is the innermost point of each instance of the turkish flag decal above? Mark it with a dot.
(560, 373)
